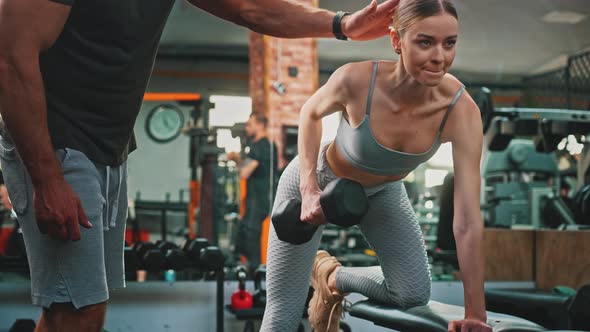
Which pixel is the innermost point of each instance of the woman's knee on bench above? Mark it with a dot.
(405, 298)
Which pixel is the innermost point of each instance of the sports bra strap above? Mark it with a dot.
(459, 93)
(371, 87)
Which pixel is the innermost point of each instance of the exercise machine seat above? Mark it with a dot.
(433, 317)
(543, 307)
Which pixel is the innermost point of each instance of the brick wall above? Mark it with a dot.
(270, 59)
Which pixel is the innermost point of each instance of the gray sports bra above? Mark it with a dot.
(362, 150)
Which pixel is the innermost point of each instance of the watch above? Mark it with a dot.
(164, 123)
(337, 25)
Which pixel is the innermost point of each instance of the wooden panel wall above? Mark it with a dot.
(509, 255)
(562, 258)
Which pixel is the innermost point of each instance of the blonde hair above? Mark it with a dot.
(410, 11)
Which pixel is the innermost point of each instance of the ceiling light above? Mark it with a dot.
(563, 17)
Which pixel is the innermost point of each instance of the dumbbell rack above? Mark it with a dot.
(162, 207)
(14, 263)
(20, 264)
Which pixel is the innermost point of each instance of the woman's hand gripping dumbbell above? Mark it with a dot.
(343, 203)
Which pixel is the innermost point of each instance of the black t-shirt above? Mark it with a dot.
(259, 185)
(97, 71)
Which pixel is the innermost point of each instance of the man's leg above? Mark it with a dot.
(64, 317)
(65, 275)
(254, 231)
(252, 249)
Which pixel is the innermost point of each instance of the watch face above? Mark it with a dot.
(164, 123)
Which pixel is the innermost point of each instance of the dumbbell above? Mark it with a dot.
(343, 202)
(150, 256)
(259, 297)
(132, 263)
(192, 249)
(212, 259)
(165, 245)
(23, 325)
(174, 258)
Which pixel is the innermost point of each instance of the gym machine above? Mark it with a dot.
(547, 128)
(522, 179)
(203, 153)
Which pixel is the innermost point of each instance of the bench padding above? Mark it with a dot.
(433, 317)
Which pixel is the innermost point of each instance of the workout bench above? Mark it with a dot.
(433, 317)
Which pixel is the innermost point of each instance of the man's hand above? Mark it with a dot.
(370, 22)
(235, 156)
(468, 325)
(58, 210)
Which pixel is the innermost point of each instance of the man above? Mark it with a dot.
(259, 169)
(6, 205)
(72, 77)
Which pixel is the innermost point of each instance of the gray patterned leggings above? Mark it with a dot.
(391, 229)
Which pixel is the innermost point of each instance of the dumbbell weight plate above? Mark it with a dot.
(288, 231)
(212, 258)
(175, 259)
(344, 202)
(193, 248)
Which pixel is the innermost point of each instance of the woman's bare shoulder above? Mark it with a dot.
(465, 111)
(355, 76)
(354, 71)
(450, 84)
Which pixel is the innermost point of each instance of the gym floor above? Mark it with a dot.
(184, 306)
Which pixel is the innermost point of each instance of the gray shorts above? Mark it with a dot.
(80, 272)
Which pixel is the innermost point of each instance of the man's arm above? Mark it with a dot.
(26, 29)
(247, 168)
(466, 136)
(292, 19)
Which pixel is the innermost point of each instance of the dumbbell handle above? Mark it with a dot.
(299, 230)
(296, 205)
(343, 202)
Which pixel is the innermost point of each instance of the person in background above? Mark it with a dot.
(258, 169)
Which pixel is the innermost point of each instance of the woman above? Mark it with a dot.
(395, 116)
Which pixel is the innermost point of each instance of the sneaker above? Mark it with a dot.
(325, 307)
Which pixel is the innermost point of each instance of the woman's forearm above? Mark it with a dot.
(308, 145)
(471, 260)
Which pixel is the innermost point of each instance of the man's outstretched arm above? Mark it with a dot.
(292, 19)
